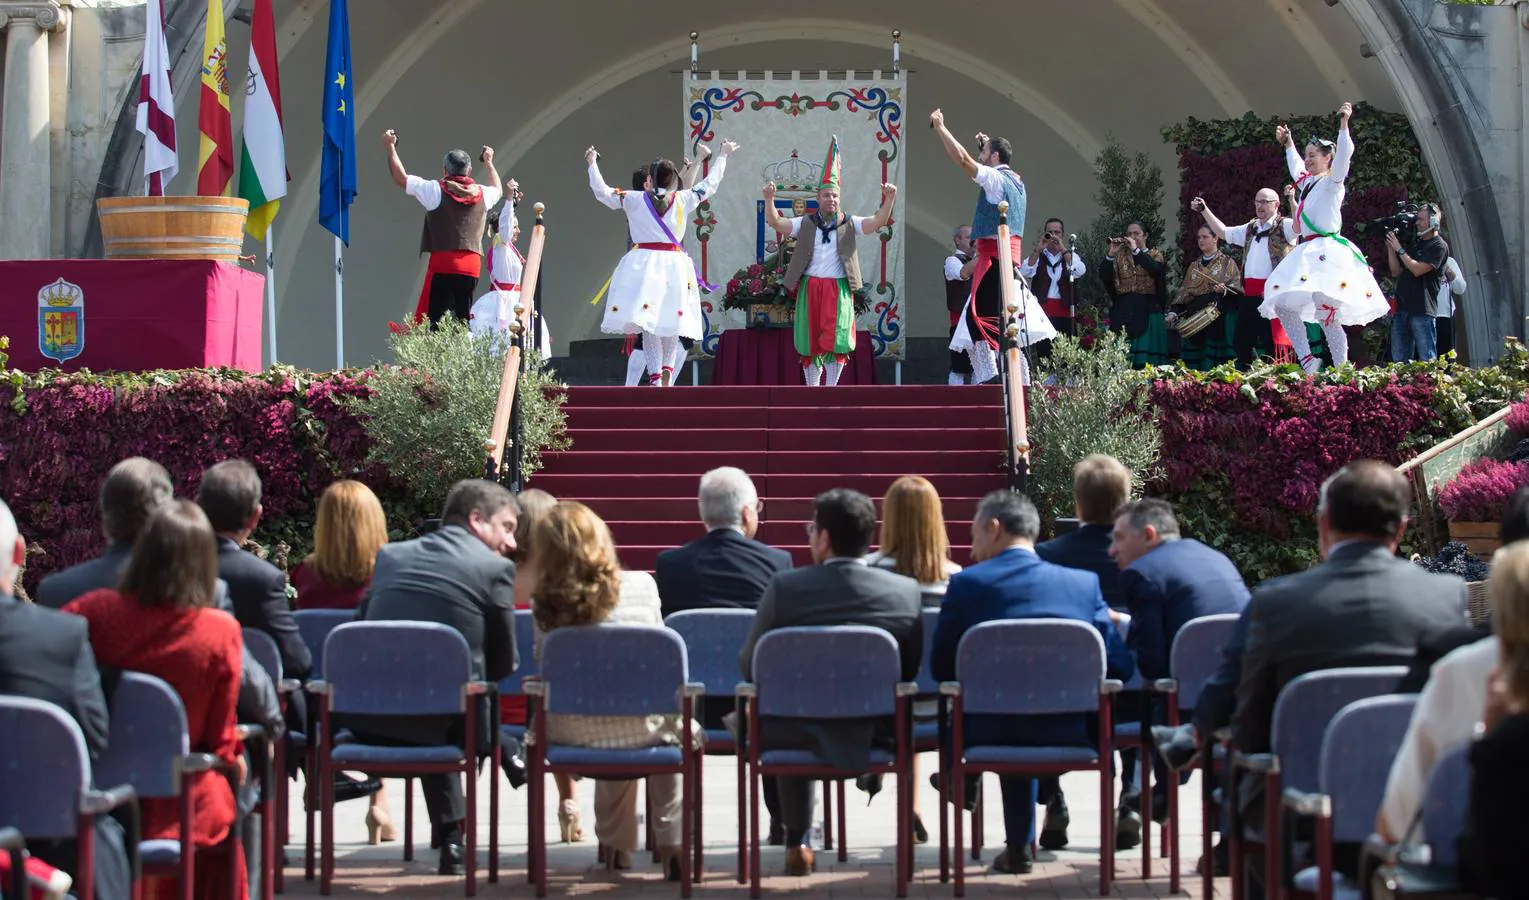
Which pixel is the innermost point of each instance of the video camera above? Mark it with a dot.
(1404, 219)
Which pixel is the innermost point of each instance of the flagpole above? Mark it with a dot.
(270, 287)
(339, 304)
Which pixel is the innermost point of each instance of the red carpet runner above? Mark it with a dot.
(638, 454)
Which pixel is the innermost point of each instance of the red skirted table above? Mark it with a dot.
(131, 315)
(768, 356)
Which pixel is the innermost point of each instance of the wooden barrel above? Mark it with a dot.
(172, 227)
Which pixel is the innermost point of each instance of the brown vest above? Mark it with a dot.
(454, 226)
(1278, 246)
(807, 239)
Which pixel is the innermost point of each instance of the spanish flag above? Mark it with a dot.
(215, 167)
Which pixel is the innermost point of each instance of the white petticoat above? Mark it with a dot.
(1034, 325)
(492, 313)
(656, 291)
(1322, 278)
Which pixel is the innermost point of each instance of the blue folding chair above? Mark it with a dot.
(1358, 748)
(1302, 712)
(1061, 664)
(45, 785)
(314, 625)
(513, 685)
(12, 844)
(150, 749)
(1192, 660)
(855, 673)
(612, 670)
(398, 669)
(712, 639)
(273, 777)
(1429, 867)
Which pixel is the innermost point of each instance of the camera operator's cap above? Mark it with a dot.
(831, 166)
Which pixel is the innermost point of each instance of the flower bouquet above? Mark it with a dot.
(759, 290)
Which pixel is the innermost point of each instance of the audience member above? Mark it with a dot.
(727, 568)
(46, 655)
(579, 581)
(1010, 581)
(161, 621)
(459, 575)
(1362, 606)
(348, 530)
(840, 589)
(133, 490)
(913, 538)
(1165, 581)
(1101, 485)
(1496, 832)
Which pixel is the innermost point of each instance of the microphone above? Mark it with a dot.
(1072, 239)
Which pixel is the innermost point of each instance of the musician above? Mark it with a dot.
(1266, 238)
(453, 233)
(1325, 278)
(1135, 277)
(1212, 282)
(978, 330)
(1054, 283)
(958, 284)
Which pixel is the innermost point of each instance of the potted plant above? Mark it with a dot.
(1475, 499)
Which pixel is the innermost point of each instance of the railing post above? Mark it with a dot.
(506, 426)
(1017, 441)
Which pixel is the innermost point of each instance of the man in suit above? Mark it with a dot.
(45, 655)
(1165, 581)
(1101, 485)
(1362, 606)
(1010, 581)
(133, 490)
(839, 590)
(727, 568)
(459, 575)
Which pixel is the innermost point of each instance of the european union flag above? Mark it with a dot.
(337, 184)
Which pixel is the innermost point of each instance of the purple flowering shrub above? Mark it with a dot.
(1517, 419)
(1480, 491)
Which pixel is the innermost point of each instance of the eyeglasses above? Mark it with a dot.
(1264, 200)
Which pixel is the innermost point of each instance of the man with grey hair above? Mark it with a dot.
(727, 568)
(456, 216)
(131, 492)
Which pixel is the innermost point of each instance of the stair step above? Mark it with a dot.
(775, 533)
(644, 557)
(572, 486)
(822, 463)
(776, 418)
(639, 440)
(684, 508)
(880, 396)
(758, 440)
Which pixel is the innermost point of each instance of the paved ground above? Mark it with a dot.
(1073, 873)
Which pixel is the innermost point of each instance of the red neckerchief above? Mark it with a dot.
(459, 188)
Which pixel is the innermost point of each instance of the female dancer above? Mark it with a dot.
(1324, 278)
(656, 288)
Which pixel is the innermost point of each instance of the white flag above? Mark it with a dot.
(156, 106)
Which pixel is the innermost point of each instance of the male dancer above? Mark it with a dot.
(1266, 238)
(958, 286)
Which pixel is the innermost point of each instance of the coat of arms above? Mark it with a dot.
(61, 321)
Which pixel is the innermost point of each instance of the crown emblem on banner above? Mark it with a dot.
(60, 294)
(793, 174)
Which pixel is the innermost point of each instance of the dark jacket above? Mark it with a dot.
(1169, 585)
(723, 569)
(258, 591)
(46, 655)
(57, 589)
(1087, 548)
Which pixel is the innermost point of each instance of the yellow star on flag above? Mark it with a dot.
(340, 80)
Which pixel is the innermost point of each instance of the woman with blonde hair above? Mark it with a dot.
(579, 581)
(913, 538)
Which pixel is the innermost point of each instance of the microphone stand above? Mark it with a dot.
(1072, 291)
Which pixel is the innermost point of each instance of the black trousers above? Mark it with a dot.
(1445, 330)
(1254, 335)
(451, 294)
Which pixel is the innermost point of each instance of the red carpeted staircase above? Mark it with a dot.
(638, 454)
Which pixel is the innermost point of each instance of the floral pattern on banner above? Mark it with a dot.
(774, 120)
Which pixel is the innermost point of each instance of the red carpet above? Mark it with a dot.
(638, 454)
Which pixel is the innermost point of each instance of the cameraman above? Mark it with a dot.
(1416, 270)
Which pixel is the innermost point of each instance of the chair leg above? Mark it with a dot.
(1208, 822)
(470, 827)
(697, 775)
(754, 832)
(270, 859)
(977, 816)
(536, 839)
(689, 819)
(843, 824)
(326, 819)
(958, 860)
(1272, 854)
(828, 816)
(310, 806)
(904, 833)
(647, 805)
(945, 813)
(408, 819)
(1106, 822)
(1144, 760)
(744, 801)
(493, 817)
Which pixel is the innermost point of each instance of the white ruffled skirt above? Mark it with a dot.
(493, 312)
(1034, 325)
(1322, 280)
(655, 291)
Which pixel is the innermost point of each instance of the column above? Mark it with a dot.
(25, 161)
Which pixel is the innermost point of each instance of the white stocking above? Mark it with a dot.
(814, 373)
(635, 365)
(679, 357)
(955, 378)
(653, 354)
(1295, 329)
(1337, 342)
(666, 347)
(835, 369)
(984, 362)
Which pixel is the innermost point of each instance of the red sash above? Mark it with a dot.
(501, 286)
(673, 248)
(445, 262)
(987, 255)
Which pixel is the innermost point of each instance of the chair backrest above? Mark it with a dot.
(263, 648)
(830, 672)
(1030, 667)
(397, 669)
(44, 768)
(1358, 748)
(1446, 802)
(314, 626)
(712, 639)
(613, 670)
(1306, 706)
(149, 739)
(928, 685)
(525, 647)
(1196, 654)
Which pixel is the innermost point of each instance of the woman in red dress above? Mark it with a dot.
(161, 621)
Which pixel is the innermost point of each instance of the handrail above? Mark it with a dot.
(522, 333)
(1015, 426)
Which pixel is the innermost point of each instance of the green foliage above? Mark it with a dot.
(5, 358)
(430, 415)
(1130, 189)
(1203, 515)
(1088, 404)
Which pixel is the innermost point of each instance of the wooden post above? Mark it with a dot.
(1018, 430)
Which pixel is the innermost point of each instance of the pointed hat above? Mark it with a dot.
(830, 177)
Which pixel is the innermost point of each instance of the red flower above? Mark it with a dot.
(756, 286)
(756, 270)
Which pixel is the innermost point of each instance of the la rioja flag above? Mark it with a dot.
(156, 106)
(215, 164)
(263, 161)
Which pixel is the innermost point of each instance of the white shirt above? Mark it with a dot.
(1256, 262)
(953, 266)
(1451, 704)
(1027, 271)
(428, 193)
(1323, 203)
(991, 179)
(641, 227)
(1450, 287)
(825, 257)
